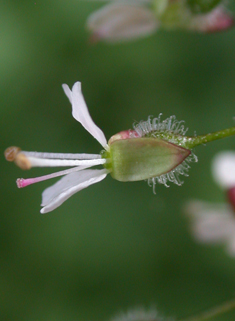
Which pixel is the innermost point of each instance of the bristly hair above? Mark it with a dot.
(174, 132)
(155, 127)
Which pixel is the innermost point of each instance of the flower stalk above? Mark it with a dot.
(192, 142)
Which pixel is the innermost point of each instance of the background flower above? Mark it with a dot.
(212, 223)
(128, 20)
(215, 222)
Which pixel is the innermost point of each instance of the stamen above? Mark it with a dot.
(22, 161)
(15, 154)
(47, 162)
(21, 182)
(61, 155)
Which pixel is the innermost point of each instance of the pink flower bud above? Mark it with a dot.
(217, 20)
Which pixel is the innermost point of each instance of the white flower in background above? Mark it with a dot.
(139, 314)
(152, 151)
(123, 20)
(211, 222)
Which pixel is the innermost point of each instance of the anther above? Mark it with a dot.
(11, 153)
(22, 161)
(14, 153)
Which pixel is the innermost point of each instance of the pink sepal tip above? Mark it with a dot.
(125, 134)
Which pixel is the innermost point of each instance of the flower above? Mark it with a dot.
(153, 151)
(126, 20)
(121, 21)
(139, 314)
(212, 223)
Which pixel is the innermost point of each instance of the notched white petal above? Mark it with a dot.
(118, 22)
(70, 184)
(81, 114)
(68, 92)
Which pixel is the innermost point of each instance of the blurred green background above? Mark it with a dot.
(113, 246)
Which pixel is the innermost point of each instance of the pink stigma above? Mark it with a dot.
(21, 182)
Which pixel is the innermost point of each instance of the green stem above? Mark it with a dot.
(192, 142)
(223, 308)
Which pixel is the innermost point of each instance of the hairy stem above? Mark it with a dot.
(192, 142)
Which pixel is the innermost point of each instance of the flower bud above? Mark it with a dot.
(217, 19)
(142, 158)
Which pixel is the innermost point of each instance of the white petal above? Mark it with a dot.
(67, 181)
(80, 112)
(211, 223)
(212, 228)
(70, 184)
(116, 22)
(223, 169)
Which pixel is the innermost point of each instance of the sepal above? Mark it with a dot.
(137, 159)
